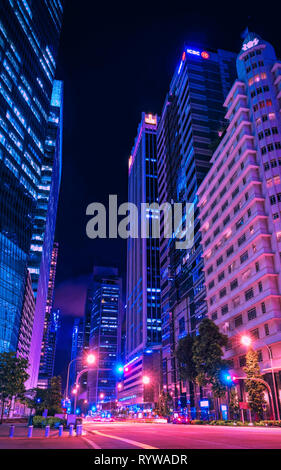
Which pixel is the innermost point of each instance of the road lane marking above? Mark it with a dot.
(91, 443)
(129, 441)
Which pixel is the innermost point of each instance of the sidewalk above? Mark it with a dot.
(22, 429)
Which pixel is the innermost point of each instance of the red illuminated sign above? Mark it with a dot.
(205, 55)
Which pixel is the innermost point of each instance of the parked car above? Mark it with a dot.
(181, 419)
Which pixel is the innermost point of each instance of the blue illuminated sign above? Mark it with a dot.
(204, 403)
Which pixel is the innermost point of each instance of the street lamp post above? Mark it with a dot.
(247, 341)
(91, 358)
(265, 384)
(67, 378)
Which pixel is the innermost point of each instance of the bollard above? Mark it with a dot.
(47, 431)
(71, 430)
(30, 429)
(12, 430)
(60, 430)
(78, 430)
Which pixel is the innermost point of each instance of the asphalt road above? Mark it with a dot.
(176, 436)
(154, 436)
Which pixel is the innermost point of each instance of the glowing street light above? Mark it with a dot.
(74, 391)
(145, 380)
(101, 396)
(246, 340)
(91, 359)
(119, 386)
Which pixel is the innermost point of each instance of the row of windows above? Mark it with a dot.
(264, 118)
(262, 104)
(256, 78)
(248, 294)
(272, 164)
(271, 147)
(252, 54)
(267, 132)
(238, 320)
(254, 66)
(259, 90)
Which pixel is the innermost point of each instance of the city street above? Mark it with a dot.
(152, 436)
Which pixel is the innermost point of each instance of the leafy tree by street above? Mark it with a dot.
(208, 357)
(13, 375)
(255, 388)
(234, 403)
(54, 396)
(165, 403)
(184, 355)
(37, 399)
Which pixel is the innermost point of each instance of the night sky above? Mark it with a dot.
(116, 60)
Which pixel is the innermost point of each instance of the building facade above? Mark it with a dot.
(76, 351)
(29, 37)
(51, 326)
(27, 317)
(41, 248)
(106, 310)
(189, 127)
(48, 352)
(240, 214)
(143, 315)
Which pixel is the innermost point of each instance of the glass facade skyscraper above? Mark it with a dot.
(41, 249)
(76, 350)
(105, 315)
(29, 38)
(143, 313)
(51, 326)
(191, 121)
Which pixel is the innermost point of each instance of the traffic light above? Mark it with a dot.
(227, 378)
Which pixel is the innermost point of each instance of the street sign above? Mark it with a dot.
(243, 405)
(204, 403)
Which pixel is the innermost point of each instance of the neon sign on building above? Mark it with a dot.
(250, 44)
(150, 119)
(203, 54)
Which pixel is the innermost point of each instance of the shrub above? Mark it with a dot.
(41, 422)
(269, 422)
(199, 421)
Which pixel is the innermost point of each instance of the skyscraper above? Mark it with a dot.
(29, 36)
(143, 315)
(44, 224)
(51, 325)
(76, 350)
(240, 212)
(106, 309)
(191, 120)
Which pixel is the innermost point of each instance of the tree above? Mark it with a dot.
(184, 355)
(54, 396)
(13, 376)
(165, 403)
(37, 399)
(234, 403)
(255, 388)
(208, 357)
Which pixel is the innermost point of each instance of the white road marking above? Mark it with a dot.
(129, 441)
(91, 443)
